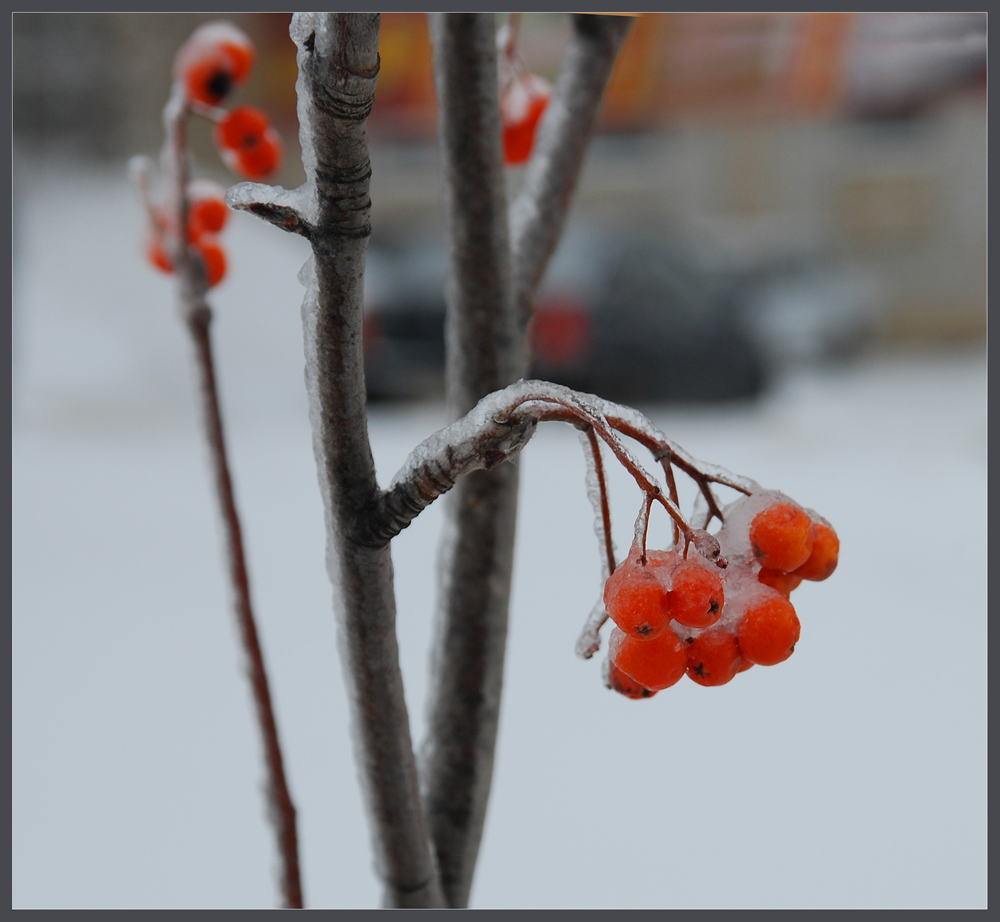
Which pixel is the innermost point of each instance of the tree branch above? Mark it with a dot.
(539, 212)
(338, 68)
(486, 349)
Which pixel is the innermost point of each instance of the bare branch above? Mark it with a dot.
(539, 212)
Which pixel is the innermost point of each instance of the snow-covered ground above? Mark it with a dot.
(853, 775)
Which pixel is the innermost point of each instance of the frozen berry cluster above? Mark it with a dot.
(216, 58)
(710, 619)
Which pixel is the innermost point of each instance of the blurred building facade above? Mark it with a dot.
(856, 138)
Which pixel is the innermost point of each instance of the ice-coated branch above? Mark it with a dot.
(539, 211)
(484, 352)
(589, 642)
(486, 349)
(338, 64)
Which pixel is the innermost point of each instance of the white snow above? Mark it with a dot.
(852, 775)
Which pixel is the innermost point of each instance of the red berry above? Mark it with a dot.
(784, 583)
(207, 209)
(248, 143)
(654, 662)
(156, 253)
(213, 258)
(216, 57)
(636, 600)
(626, 685)
(521, 108)
(782, 536)
(825, 552)
(696, 596)
(769, 630)
(713, 658)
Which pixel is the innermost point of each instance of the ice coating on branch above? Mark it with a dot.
(594, 494)
(589, 641)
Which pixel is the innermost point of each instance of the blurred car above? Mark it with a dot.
(630, 317)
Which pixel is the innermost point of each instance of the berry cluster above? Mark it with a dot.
(677, 613)
(206, 217)
(216, 58)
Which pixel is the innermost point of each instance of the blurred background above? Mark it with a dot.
(778, 250)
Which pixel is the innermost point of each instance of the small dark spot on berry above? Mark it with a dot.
(688, 640)
(699, 671)
(248, 141)
(219, 85)
(713, 606)
(644, 629)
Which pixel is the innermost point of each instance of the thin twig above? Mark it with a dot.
(282, 812)
(539, 212)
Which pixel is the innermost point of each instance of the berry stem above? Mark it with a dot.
(603, 509)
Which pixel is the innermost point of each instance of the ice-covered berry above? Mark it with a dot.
(248, 142)
(785, 583)
(207, 209)
(713, 658)
(696, 595)
(825, 552)
(626, 685)
(217, 57)
(782, 536)
(156, 253)
(521, 108)
(769, 629)
(213, 258)
(636, 599)
(654, 662)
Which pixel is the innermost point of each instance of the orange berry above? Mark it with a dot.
(157, 255)
(696, 596)
(213, 258)
(784, 583)
(769, 630)
(216, 57)
(636, 600)
(248, 143)
(825, 552)
(781, 536)
(654, 662)
(207, 209)
(521, 108)
(713, 658)
(626, 685)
